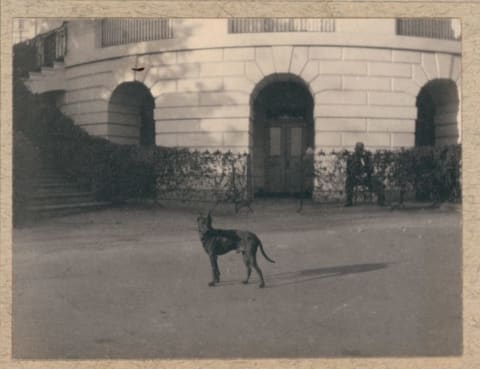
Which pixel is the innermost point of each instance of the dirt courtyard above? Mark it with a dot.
(131, 282)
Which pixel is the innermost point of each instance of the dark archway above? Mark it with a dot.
(437, 114)
(424, 125)
(282, 130)
(130, 115)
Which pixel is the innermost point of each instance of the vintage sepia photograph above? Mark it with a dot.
(223, 188)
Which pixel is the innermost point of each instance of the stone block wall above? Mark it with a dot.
(202, 97)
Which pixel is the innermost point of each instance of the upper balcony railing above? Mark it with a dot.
(258, 25)
(51, 46)
(439, 28)
(121, 31)
(196, 33)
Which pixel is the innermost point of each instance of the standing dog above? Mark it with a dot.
(220, 241)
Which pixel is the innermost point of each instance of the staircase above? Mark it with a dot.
(47, 79)
(57, 196)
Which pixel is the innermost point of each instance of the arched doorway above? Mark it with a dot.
(130, 113)
(437, 114)
(282, 127)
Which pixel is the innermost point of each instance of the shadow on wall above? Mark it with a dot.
(173, 99)
(180, 99)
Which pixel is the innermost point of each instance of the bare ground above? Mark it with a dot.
(132, 283)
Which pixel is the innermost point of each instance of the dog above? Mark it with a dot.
(221, 241)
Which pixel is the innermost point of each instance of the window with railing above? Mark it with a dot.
(439, 28)
(259, 25)
(51, 46)
(121, 31)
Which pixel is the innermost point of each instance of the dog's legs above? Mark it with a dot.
(213, 263)
(257, 268)
(217, 271)
(247, 265)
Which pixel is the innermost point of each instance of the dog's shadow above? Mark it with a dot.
(307, 275)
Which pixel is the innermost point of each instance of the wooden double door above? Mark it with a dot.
(286, 143)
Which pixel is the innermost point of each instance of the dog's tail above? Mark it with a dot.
(263, 252)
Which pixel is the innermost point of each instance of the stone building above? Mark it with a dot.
(271, 87)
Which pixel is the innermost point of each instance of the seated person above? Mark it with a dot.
(360, 173)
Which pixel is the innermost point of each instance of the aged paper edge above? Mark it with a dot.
(468, 12)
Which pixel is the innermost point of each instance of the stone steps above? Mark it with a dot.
(57, 186)
(55, 210)
(60, 197)
(56, 195)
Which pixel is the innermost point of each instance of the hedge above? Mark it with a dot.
(115, 172)
(427, 173)
(120, 172)
(203, 176)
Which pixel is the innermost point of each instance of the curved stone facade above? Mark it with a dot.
(363, 77)
(362, 90)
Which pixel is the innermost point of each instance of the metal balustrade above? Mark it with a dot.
(51, 46)
(60, 42)
(439, 28)
(258, 25)
(121, 31)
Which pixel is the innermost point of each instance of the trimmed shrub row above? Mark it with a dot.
(426, 173)
(202, 176)
(116, 172)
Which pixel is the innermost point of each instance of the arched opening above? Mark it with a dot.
(437, 114)
(282, 131)
(130, 115)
